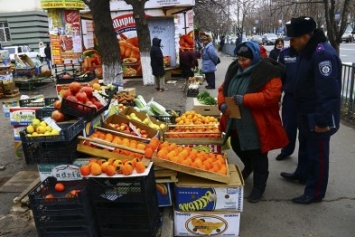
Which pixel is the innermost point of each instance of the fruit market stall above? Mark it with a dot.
(136, 160)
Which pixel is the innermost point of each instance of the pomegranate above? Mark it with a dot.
(74, 87)
(57, 104)
(88, 90)
(98, 104)
(57, 116)
(67, 93)
(81, 97)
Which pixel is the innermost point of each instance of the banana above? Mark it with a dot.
(162, 189)
(202, 148)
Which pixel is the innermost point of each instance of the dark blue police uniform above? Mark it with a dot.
(289, 57)
(317, 95)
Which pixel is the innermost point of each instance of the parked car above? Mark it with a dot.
(269, 38)
(347, 37)
(20, 50)
(257, 39)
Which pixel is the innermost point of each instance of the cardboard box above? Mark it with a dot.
(130, 91)
(62, 172)
(197, 194)
(118, 119)
(89, 126)
(216, 223)
(164, 194)
(17, 130)
(24, 60)
(22, 115)
(9, 85)
(7, 105)
(206, 110)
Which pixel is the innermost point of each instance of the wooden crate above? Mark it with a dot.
(191, 170)
(193, 138)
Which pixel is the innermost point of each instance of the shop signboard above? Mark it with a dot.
(67, 4)
(121, 5)
(65, 34)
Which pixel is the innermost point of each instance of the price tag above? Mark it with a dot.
(100, 98)
(134, 129)
(52, 123)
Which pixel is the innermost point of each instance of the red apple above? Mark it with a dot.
(74, 87)
(57, 104)
(88, 90)
(67, 93)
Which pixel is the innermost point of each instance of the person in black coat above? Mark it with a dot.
(48, 53)
(279, 44)
(157, 63)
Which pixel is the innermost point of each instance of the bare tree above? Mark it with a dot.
(107, 40)
(143, 39)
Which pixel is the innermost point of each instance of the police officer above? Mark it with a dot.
(317, 94)
(289, 58)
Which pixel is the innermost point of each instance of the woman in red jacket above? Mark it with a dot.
(255, 85)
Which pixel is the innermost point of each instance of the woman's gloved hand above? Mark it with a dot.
(223, 108)
(238, 99)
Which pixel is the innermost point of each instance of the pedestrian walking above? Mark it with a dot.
(157, 64)
(48, 53)
(289, 58)
(317, 94)
(209, 62)
(221, 43)
(255, 86)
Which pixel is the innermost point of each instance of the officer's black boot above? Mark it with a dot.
(258, 188)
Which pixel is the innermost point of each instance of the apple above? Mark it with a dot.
(81, 97)
(57, 116)
(57, 104)
(67, 93)
(74, 87)
(88, 90)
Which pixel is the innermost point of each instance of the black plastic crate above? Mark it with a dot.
(170, 118)
(34, 103)
(192, 92)
(81, 110)
(87, 77)
(126, 206)
(70, 130)
(50, 152)
(61, 215)
(47, 112)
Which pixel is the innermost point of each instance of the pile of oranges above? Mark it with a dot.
(112, 167)
(187, 156)
(118, 140)
(199, 126)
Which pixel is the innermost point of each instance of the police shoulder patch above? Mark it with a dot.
(325, 68)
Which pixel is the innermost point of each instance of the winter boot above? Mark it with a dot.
(259, 187)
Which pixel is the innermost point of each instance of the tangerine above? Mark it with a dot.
(59, 187)
(148, 152)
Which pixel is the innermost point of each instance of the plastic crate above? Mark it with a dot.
(81, 110)
(50, 152)
(192, 92)
(126, 206)
(47, 112)
(168, 119)
(61, 215)
(70, 130)
(34, 103)
(87, 77)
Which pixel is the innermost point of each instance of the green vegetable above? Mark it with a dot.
(158, 108)
(206, 98)
(209, 101)
(138, 103)
(203, 95)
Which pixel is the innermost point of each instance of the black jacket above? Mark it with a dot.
(47, 52)
(156, 58)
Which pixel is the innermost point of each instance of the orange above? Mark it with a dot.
(108, 137)
(96, 86)
(59, 187)
(96, 169)
(110, 170)
(127, 169)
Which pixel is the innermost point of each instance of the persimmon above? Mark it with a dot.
(141, 146)
(49, 196)
(108, 137)
(59, 187)
(104, 166)
(140, 167)
(110, 170)
(96, 169)
(117, 163)
(119, 169)
(127, 169)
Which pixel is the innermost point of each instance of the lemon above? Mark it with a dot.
(34, 134)
(41, 129)
(35, 122)
(48, 129)
(42, 123)
(47, 133)
(55, 132)
(30, 129)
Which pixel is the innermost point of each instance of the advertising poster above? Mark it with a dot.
(185, 30)
(125, 28)
(65, 34)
